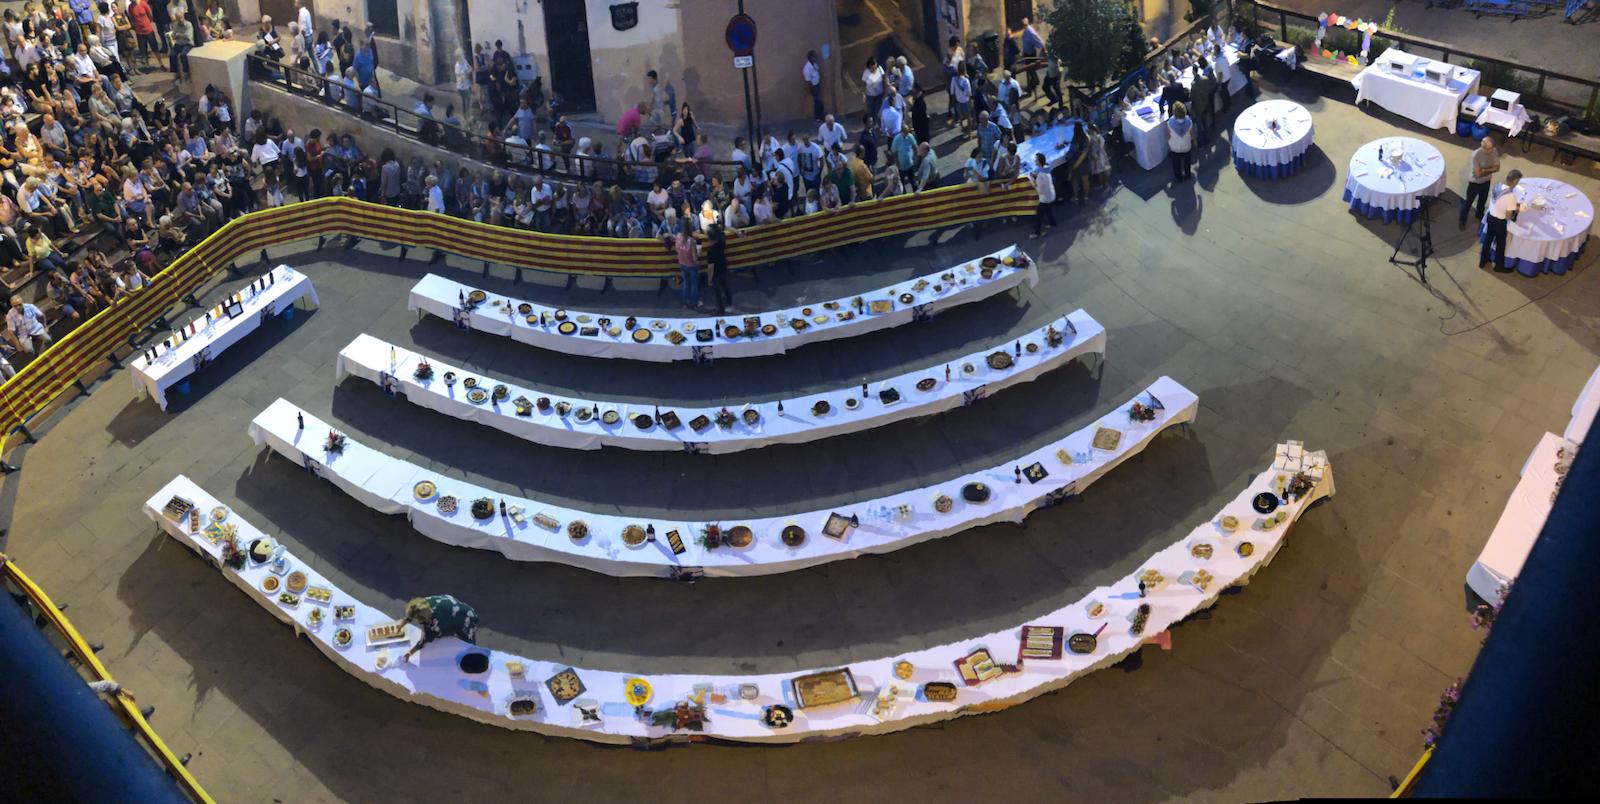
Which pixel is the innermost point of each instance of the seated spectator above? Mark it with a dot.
(26, 327)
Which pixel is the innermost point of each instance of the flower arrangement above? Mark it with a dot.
(725, 418)
(710, 537)
(334, 443)
(1299, 485)
(424, 371)
(1141, 413)
(1052, 336)
(682, 716)
(1483, 617)
(232, 556)
(1441, 714)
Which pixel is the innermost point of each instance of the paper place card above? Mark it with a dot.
(1560, 229)
(1362, 173)
(1580, 214)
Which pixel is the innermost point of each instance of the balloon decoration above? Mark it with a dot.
(1366, 28)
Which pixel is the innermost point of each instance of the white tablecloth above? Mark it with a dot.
(1387, 185)
(1584, 410)
(1257, 142)
(433, 678)
(1054, 142)
(172, 366)
(1524, 516)
(1149, 135)
(369, 358)
(499, 315)
(385, 484)
(1408, 95)
(1560, 229)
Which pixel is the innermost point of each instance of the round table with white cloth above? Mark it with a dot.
(1391, 188)
(1551, 229)
(1270, 139)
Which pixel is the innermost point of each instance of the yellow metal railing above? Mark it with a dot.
(1404, 790)
(98, 671)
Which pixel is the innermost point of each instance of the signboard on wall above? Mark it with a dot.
(624, 15)
(741, 35)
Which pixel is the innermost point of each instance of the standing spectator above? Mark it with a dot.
(1099, 160)
(1032, 51)
(1202, 101)
(303, 19)
(663, 100)
(435, 195)
(920, 125)
(1484, 162)
(813, 78)
(1504, 208)
(872, 85)
(988, 136)
(1052, 79)
(717, 265)
(144, 29)
(1180, 140)
(961, 98)
(830, 133)
(904, 149)
(683, 244)
(463, 82)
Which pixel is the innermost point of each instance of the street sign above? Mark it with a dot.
(741, 35)
(743, 62)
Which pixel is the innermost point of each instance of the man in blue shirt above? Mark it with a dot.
(988, 136)
(82, 14)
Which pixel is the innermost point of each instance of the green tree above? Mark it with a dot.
(1095, 40)
(1198, 9)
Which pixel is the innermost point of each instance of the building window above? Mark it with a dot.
(384, 16)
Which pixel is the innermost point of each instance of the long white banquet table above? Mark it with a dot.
(387, 484)
(1149, 134)
(876, 696)
(540, 325)
(1396, 81)
(173, 366)
(1523, 518)
(787, 421)
(1584, 409)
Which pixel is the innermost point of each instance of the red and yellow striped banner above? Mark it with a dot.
(73, 356)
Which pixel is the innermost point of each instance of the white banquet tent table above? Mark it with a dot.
(173, 366)
(1270, 139)
(785, 421)
(1522, 520)
(1054, 142)
(885, 523)
(537, 325)
(1391, 190)
(1584, 410)
(433, 678)
(1144, 126)
(1549, 236)
(1397, 81)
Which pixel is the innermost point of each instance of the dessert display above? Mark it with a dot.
(1106, 439)
(637, 692)
(943, 504)
(319, 594)
(477, 396)
(482, 508)
(824, 689)
(836, 526)
(344, 612)
(576, 529)
(522, 706)
(343, 637)
(975, 492)
(545, 521)
(296, 582)
(447, 504)
(290, 600)
(1040, 642)
(565, 686)
(978, 667)
(738, 536)
(269, 584)
(777, 716)
(314, 618)
(939, 691)
(903, 670)
(1229, 523)
(1200, 550)
(386, 634)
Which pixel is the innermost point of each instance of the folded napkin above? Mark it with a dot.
(1559, 227)
(1580, 214)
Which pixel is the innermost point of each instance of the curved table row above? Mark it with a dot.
(903, 302)
(386, 484)
(788, 421)
(734, 705)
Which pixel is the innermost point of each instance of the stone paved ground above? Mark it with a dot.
(1268, 299)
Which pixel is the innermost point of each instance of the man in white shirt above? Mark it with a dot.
(813, 76)
(1502, 209)
(106, 26)
(830, 133)
(739, 154)
(543, 198)
(25, 327)
(435, 195)
(303, 19)
(809, 160)
(1045, 185)
(1224, 73)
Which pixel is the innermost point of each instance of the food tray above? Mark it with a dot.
(565, 686)
(939, 691)
(978, 667)
(836, 526)
(1106, 439)
(319, 594)
(386, 634)
(824, 689)
(1040, 642)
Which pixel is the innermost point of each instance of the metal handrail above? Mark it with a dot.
(1447, 50)
(80, 648)
(485, 146)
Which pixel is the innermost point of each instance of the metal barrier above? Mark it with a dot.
(484, 146)
(97, 672)
(62, 366)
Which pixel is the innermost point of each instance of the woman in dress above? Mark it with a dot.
(441, 616)
(1099, 160)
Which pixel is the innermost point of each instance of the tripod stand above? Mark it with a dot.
(1424, 242)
